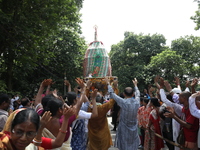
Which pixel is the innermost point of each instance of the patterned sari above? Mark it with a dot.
(153, 142)
(5, 141)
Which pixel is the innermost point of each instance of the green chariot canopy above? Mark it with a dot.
(96, 60)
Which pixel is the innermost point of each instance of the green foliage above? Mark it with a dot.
(30, 41)
(166, 64)
(196, 17)
(188, 47)
(129, 57)
(2, 87)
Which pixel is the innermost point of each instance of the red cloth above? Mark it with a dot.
(156, 123)
(46, 143)
(190, 134)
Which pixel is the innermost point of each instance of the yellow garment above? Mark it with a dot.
(5, 143)
(98, 130)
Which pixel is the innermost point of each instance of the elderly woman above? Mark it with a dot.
(21, 129)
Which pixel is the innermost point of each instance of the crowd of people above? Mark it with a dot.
(78, 120)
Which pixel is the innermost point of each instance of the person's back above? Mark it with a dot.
(127, 133)
(98, 130)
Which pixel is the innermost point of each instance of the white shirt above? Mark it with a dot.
(177, 109)
(192, 106)
(83, 115)
(3, 118)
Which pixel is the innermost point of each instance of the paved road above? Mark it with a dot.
(113, 134)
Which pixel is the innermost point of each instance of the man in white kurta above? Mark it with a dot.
(127, 133)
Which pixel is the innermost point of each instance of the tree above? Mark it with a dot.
(129, 57)
(27, 28)
(189, 49)
(196, 17)
(167, 64)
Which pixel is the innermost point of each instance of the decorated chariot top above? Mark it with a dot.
(96, 60)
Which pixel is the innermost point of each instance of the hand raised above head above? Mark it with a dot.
(115, 83)
(88, 84)
(194, 82)
(167, 85)
(177, 80)
(135, 82)
(94, 94)
(46, 117)
(67, 83)
(187, 84)
(80, 82)
(162, 83)
(68, 112)
(156, 79)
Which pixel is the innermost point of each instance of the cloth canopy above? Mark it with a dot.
(96, 61)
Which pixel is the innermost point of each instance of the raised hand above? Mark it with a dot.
(80, 82)
(177, 80)
(115, 84)
(187, 83)
(68, 112)
(47, 82)
(55, 93)
(194, 82)
(66, 82)
(156, 80)
(162, 83)
(170, 112)
(168, 86)
(88, 84)
(46, 117)
(135, 82)
(94, 94)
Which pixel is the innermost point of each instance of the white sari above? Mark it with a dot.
(48, 134)
(65, 145)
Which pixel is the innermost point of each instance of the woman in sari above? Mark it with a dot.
(155, 143)
(19, 130)
(23, 128)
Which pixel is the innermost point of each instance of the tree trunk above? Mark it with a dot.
(9, 72)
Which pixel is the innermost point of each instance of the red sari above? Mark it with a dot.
(155, 142)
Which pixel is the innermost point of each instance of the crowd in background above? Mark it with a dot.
(78, 120)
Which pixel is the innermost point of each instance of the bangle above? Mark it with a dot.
(62, 131)
(37, 141)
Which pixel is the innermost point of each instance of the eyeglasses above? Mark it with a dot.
(19, 133)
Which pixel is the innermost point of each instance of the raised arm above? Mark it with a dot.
(58, 141)
(193, 85)
(67, 83)
(114, 96)
(68, 112)
(43, 122)
(94, 109)
(82, 85)
(192, 106)
(177, 82)
(137, 92)
(171, 114)
(187, 86)
(38, 98)
(177, 107)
